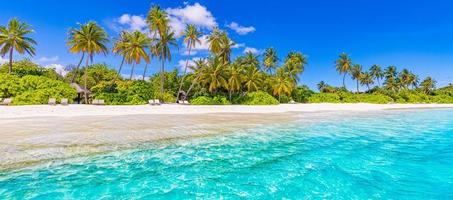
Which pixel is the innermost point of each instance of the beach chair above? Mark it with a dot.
(186, 102)
(6, 102)
(64, 102)
(98, 102)
(156, 102)
(151, 102)
(52, 102)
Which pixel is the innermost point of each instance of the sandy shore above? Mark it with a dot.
(172, 109)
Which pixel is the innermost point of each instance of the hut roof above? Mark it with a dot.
(79, 88)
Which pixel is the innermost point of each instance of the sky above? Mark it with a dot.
(417, 35)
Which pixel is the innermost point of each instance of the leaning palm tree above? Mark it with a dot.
(163, 52)
(270, 60)
(90, 39)
(377, 73)
(427, 85)
(135, 49)
(356, 73)
(191, 38)
(197, 71)
(15, 37)
(282, 84)
(343, 66)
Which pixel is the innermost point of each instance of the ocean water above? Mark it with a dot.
(376, 155)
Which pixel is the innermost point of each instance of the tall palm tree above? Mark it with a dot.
(270, 60)
(225, 47)
(390, 78)
(377, 73)
(135, 49)
(294, 65)
(89, 39)
(404, 77)
(250, 60)
(163, 52)
(157, 20)
(427, 85)
(191, 38)
(282, 84)
(215, 41)
(366, 79)
(119, 47)
(252, 79)
(343, 64)
(15, 37)
(413, 80)
(356, 73)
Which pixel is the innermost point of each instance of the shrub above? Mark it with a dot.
(259, 98)
(368, 98)
(204, 100)
(124, 92)
(26, 67)
(324, 98)
(301, 94)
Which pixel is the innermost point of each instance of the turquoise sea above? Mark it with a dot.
(374, 155)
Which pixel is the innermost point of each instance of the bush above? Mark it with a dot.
(259, 98)
(204, 100)
(368, 98)
(26, 67)
(124, 92)
(324, 98)
(34, 89)
(301, 94)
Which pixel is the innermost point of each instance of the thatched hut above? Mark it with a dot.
(80, 91)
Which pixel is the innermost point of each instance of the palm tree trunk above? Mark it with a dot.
(185, 71)
(162, 79)
(132, 71)
(191, 86)
(85, 81)
(379, 83)
(144, 71)
(368, 86)
(77, 69)
(344, 76)
(10, 69)
(229, 91)
(119, 72)
(357, 85)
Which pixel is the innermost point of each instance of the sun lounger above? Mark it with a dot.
(6, 102)
(156, 102)
(64, 102)
(151, 102)
(52, 101)
(186, 102)
(99, 102)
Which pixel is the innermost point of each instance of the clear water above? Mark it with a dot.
(385, 155)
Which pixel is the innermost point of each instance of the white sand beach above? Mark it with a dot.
(174, 109)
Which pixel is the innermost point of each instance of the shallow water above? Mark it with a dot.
(385, 154)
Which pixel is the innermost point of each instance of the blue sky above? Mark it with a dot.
(417, 35)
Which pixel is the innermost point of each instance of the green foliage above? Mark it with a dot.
(258, 98)
(96, 74)
(34, 89)
(204, 100)
(301, 94)
(167, 97)
(324, 98)
(365, 98)
(124, 92)
(26, 67)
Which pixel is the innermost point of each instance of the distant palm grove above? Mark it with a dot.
(250, 79)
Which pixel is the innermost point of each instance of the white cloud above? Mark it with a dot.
(241, 30)
(182, 64)
(3, 60)
(60, 69)
(47, 59)
(195, 14)
(238, 45)
(251, 49)
(132, 22)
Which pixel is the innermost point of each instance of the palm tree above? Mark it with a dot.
(15, 37)
(404, 77)
(252, 79)
(119, 47)
(214, 74)
(191, 38)
(282, 84)
(89, 39)
(135, 49)
(321, 86)
(270, 60)
(294, 65)
(377, 73)
(215, 41)
(157, 20)
(390, 78)
(197, 68)
(343, 65)
(356, 73)
(162, 49)
(427, 85)
(250, 60)
(413, 80)
(234, 79)
(366, 79)
(225, 47)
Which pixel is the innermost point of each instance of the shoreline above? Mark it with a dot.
(74, 110)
